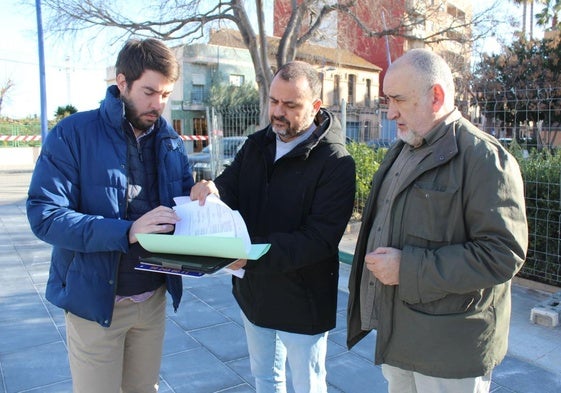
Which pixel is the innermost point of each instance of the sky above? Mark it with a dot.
(75, 69)
(508, 13)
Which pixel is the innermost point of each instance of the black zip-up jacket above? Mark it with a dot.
(300, 204)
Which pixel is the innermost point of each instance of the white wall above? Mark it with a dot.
(18, 158)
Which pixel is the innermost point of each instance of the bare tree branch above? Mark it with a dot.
(4, 91)
(186, 21)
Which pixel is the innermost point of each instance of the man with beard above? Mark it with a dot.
(103, 177)
(443, 232)
(294, 184)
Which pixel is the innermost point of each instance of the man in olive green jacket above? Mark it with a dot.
(443, 232)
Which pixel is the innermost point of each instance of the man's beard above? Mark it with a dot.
(132, 115)
(410, 137)
(282, 132)
(290, 131)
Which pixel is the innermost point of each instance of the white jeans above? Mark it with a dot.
(269, 350)
(404, 381)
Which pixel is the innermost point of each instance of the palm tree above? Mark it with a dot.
(525, 4)
(549, 12)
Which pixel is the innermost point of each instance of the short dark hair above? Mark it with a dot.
(138, 56)
(298, 69)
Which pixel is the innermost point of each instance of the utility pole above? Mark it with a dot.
(42, 83)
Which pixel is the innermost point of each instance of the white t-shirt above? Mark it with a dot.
(284, 147)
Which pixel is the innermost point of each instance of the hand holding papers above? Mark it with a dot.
(212, 230)
(214, 218)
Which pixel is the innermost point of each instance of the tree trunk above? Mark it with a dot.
(524, 17)
(257, 46)
(531, 19)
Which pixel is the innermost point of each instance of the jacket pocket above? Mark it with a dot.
(431, 211)
(449, 305)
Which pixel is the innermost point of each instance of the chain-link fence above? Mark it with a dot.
(236, 121)
(16, 135)
(528, 121)
(527, 115)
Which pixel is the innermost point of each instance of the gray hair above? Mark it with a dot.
(431, 69)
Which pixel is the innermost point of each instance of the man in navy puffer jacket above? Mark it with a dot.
(104, 176)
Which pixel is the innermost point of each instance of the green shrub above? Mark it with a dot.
(541, 171)
(367, 162)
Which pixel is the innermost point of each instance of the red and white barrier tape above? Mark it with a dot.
(19, 138)
(194, 137)
(32, 138)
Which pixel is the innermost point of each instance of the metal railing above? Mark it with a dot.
(533, 118)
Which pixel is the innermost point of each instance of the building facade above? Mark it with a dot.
(346, 78)
(350, 86)
(415, 24)
(204, 66)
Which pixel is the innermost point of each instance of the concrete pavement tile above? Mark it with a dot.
(21, 334)
(21, 235)
(197, 371)
(22, 307)
(522, 377)
(365, 347)
(164, 387)
(334, 349)
(351, 373)
(551, 360)
(195, 315)
(33, 253)
(15, 220)
(60, 387)
(9, 256)
(12, 213)
(218, 278)
(226, 341)
(56, 313)
(498, 389)
(39, 273)
(243, 369)
(535, 343)
(219, 295)
(342, 300)
(233, 312)
(35, 367)
(14, 281)
(244, 388)
(177, 340)
(340, 322)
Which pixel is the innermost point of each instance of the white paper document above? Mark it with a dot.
(212, 230)
(214, 218)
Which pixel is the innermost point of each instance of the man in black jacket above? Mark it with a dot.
(294, 184)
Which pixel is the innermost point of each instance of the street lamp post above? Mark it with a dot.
(42, 83)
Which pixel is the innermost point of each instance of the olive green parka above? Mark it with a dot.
(460, 222)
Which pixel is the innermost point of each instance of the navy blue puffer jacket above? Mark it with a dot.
(77, 203)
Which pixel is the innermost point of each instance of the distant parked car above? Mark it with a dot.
(378, 143)
(200, 162)
(505, 141)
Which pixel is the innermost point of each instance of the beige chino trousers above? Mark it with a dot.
(123, 358)
(403, 381)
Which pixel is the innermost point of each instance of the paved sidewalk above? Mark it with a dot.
(205, 349)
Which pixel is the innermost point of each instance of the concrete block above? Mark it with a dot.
(547, 313)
